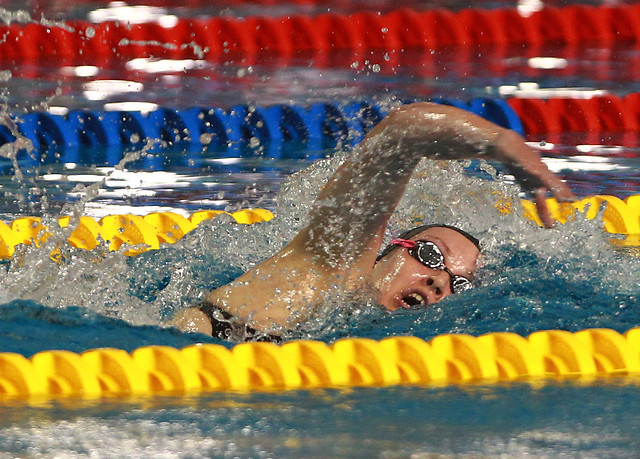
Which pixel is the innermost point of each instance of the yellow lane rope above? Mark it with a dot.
(200, 368)
(148, 232)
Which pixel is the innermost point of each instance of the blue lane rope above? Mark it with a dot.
(219, 128)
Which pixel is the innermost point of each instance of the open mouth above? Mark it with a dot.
(414, 299)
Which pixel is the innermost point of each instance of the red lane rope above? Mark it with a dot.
(225, 38)
(608, 113)
(42, 5)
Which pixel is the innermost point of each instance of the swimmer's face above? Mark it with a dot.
(403, 281)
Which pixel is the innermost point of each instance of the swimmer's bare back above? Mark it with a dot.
(340, 244)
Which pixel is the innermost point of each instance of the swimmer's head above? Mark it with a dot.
(404, 276)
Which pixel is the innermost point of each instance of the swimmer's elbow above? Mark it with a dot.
(448, 120)
(192, 320)
(419, 121)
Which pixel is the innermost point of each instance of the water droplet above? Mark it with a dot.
(206, 138)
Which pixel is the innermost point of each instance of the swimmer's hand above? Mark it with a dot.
(531, 173)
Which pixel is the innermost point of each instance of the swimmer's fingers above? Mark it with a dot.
(535, 175)
(535, 178)
(540, 198)
(534, 185)
(538, 184)
(527, 167)
(553, 184)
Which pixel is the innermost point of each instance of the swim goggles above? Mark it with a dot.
(430, 255)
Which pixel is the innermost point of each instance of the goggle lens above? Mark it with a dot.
(460, 284)
(430, 255)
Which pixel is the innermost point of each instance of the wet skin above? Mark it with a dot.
(403, 281)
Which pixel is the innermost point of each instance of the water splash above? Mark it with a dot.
(43, 271)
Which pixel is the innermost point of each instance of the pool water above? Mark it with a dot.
(516, 420)
(533, 279)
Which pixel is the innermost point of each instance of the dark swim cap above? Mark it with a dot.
(419, 229)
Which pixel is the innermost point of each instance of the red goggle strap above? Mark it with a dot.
(404, 243)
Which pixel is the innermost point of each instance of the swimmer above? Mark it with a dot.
(340, 245)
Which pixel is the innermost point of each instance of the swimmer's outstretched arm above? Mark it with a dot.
(358, 200)
(347, 222)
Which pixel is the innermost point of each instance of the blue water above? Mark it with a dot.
(516, 420)
(532, 279)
